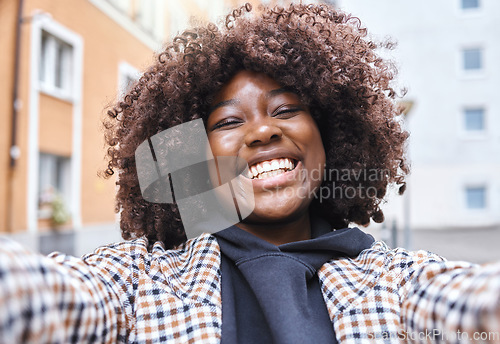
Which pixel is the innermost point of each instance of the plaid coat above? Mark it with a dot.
(124, 293)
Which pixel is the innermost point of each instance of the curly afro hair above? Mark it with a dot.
(320, 53)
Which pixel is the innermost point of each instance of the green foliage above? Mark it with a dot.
(59, 213)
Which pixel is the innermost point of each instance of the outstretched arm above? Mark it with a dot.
(453, 302)
(56, 299)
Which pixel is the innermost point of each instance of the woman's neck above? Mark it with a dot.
(281, 232)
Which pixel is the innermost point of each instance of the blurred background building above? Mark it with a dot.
(64, 63)
(448, 55)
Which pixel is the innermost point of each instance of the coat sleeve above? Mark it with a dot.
(57, 299)
(450, 302)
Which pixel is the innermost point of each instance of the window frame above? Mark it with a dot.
(58, 37)
(126, 72)
(56, 66)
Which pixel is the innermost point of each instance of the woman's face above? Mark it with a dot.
(255, 119)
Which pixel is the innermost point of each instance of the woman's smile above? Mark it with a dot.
(270, 168)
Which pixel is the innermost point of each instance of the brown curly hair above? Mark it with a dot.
(320, 53)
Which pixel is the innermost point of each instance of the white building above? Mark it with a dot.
(448, 55)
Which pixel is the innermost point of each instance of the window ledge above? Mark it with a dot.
(474, 136)
(471, 13)
(479, 211)
(472, 74)
(56, 93)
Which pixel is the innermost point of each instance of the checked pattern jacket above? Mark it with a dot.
(123, 293)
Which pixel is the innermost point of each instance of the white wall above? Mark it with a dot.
(431, 35)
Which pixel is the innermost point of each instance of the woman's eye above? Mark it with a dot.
(287, 112)
(228, 122)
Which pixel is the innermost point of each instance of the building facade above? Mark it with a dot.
(62, 66)
(448, 55)
(72, 62)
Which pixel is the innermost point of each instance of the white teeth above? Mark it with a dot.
(275, 164)
(266, 166)
(269, 174)
(254, 171)
(270, 168)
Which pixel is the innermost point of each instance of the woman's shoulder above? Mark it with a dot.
(140, 247)
(403, 261)
(398, 263)
(139, 254)
(398, 256)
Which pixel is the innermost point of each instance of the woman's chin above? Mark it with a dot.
(276, 213)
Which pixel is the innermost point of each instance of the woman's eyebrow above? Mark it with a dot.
(223, 103)
(269, 94)
(278, 91)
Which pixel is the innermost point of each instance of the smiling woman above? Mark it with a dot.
(299, 95)
(321, 74)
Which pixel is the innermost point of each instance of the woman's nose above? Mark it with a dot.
(262, 133)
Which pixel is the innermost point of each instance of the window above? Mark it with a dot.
(203, 4)
(472, 59)
(178, 18)
(146, 15)
(128, 81)
(56, 70)
(475, 197)
(474, 120)
(469, 4)
(121, 5)
(53, 181)
(128, 75)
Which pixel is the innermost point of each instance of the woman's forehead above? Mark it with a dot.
(243, 81)
(247, 83)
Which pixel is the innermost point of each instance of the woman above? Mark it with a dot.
(299, 95)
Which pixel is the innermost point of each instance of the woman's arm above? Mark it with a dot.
(453, 302)
(56, 299)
